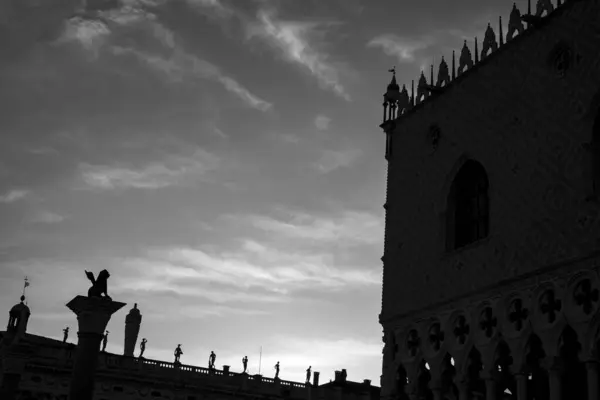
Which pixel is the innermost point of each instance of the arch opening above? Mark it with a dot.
(574, 379)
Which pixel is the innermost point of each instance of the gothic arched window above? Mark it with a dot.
(468, 206)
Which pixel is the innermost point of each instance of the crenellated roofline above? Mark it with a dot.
(397, 102)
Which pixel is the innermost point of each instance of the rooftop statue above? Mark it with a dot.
(99, 287)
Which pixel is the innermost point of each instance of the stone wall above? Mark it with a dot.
(528, 127)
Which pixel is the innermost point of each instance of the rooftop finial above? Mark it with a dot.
(393, 71)
(25, 285)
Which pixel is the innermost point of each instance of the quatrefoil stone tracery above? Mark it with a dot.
(550, 306)
(436, 336)
(586, 296)
(461, 330)
(412, 343)
(517, 314)
(487, 322)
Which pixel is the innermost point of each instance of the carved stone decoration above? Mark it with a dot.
(434, 136)
(488, 322)
(489, 42)
(465, 60)
(422, 92)
(549, 306)
(560, 59)
(518, 315)
(436, 336)
(515, 24)
(443, 74)
(586, 296)
(543, 5)
(461, 330)
(412, 343)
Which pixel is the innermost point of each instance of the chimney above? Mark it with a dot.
(344, 375)
(315, 378)
(133, 320)
(367, 382)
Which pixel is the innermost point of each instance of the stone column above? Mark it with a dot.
(436, 389)
(463, 390)
(521, 379)
(93, 315)
(555, 379)
(491, 389)
(592, 379)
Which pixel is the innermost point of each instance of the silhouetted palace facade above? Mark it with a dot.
(39, 368)
(492, 238)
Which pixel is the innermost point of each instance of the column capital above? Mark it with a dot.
(592, 364)
(93, 313)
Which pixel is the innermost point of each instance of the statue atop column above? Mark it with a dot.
(245, 363)
(276, 370)
(143, 347)
(99, 285)
(93, 312)
(178, 353)
(65, 334)
(211, 360)
(308, 374)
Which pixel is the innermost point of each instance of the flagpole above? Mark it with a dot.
(259, 360)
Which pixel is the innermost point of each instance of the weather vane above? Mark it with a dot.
(25, 285)
(393, 70)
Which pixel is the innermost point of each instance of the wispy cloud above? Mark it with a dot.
(13, 195)
(348, 227)
(46, 217)
(292, 39)
(322, 122)
(213, 6)
(334, 159)
(177, 64)
(173, 171)
(402, 48)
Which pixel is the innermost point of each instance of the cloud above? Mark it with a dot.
(323, 354)
(173, 171)
(214, 6)
(335, 159)
(402, 48)
(322, 122)
(350, 227)
(47, 217)
(177, 64)
(91, 34)
(13, 195)
(292, 39)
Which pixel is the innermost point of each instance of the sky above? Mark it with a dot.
(220, 158)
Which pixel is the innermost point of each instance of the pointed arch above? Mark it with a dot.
(538, 383)
(401, 382)
(467, 212)
(574, 382)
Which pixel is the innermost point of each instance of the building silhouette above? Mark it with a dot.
(492, 237)
(35, 367)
